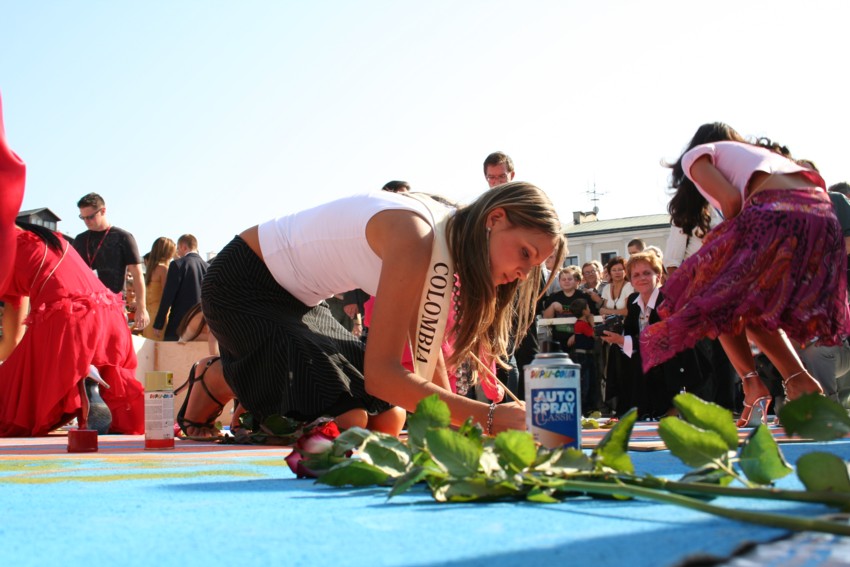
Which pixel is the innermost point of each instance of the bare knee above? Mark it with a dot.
(390, 421)
(352, 418)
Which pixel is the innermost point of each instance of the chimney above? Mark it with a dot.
(580, 217)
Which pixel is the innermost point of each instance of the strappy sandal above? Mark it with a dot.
(799, 386)
(755, 413)
(184, 423)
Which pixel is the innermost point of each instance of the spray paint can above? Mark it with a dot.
(553, 400)
(159, 410)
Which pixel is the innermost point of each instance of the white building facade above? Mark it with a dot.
(591, 239)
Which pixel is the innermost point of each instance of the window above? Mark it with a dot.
(571, 261)
(605, 257)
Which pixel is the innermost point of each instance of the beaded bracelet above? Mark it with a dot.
(490, 415)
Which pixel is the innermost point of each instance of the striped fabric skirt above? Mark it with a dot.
(280, 356)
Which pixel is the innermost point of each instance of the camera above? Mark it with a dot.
(612, 323)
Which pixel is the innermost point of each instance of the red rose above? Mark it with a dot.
(294, 461)
(319, 439)
(312, 444)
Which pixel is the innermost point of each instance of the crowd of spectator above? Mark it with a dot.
(580, 306)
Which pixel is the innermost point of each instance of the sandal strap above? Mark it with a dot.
(203, 383)
(200, 378)
(793, 376)
(183, 422)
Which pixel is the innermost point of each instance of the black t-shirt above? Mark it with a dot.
(108, 253)
(565, 301)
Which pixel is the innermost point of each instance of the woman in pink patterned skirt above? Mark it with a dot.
(775, 264)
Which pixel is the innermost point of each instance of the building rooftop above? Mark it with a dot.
(41, 210)
(618, 225)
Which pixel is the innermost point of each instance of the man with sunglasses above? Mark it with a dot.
(111, 253)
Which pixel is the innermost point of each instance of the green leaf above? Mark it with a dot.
(475, 488)
(692, 445)
(613, 450)
(566, 488)
(709, 474)
(430, 412)
(280, 426)
(708, 416)
(516, 448)
(387, 453)
(541, 496)
(353, 473)
(564, 462)
(761, 459)
(320, 463)
(815, 417)
(471, 429)
(824, 472)
(350, 439)
(247, 420)
(455, 453)
(404, 482)
(489, 462)
(423, 459)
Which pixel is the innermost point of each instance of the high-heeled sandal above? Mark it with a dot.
(99, 418)
(185, 423)
(93, 416)
(755, 413)
(94, 413)
(810, 386)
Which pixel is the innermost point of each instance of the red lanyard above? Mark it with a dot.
(89, 258)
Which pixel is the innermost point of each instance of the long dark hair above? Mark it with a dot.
(45, 234)
(775, 147)
(688, 209)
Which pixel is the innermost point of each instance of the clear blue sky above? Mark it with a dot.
(210, 116)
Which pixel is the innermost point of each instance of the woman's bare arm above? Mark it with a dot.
(403, 241)
(13, 327)
(707, 176)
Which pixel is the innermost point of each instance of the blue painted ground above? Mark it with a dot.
(245, 508)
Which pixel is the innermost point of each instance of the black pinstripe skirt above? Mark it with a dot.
(280, 356)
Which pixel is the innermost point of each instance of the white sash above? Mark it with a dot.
(436, 299)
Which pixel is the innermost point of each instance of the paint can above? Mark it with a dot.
(159, 410)
(553, 400)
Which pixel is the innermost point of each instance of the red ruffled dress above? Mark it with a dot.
(74, 322)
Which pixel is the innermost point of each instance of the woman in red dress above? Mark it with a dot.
(73, 322)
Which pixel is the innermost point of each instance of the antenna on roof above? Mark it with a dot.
(594, 197)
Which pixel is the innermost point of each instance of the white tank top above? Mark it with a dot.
(322, 251)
